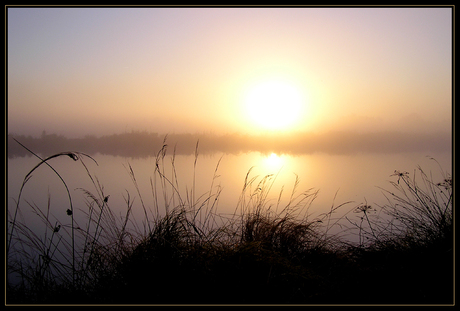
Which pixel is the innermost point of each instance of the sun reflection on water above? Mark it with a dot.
(273, 162)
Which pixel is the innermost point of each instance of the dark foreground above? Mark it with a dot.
(165, 270)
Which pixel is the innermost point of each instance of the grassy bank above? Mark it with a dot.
(266, 252)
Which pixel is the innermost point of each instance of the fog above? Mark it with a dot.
(144, 144)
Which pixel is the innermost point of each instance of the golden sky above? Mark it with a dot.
(79, 71)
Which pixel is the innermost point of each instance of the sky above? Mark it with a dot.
(99, 71)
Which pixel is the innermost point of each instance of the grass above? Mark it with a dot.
(266, 252)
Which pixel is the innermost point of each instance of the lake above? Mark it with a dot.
(339, 179)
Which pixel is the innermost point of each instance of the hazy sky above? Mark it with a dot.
(78, 71)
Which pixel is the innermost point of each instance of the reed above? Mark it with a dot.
(418, 210)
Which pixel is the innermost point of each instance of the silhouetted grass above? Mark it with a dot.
(266, 252)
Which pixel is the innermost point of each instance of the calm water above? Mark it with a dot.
(353, 177)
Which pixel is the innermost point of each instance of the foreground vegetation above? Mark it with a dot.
(266, 252)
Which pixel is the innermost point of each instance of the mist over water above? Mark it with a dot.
(137, 144)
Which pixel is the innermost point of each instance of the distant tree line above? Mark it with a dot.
(138, 144)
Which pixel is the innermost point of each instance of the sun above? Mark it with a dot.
(274, 104)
